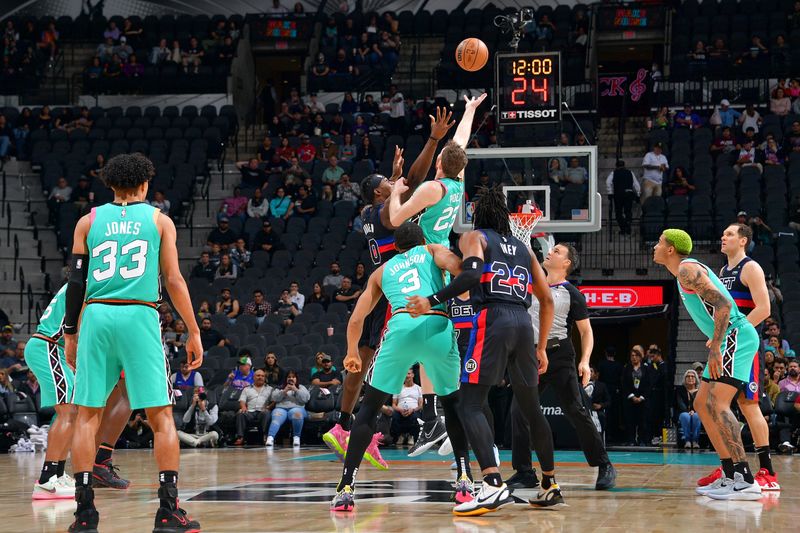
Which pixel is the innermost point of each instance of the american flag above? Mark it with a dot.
(580, 214)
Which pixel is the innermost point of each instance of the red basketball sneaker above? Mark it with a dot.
(711, 478)
(767, 481)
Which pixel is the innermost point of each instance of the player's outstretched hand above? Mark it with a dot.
(399, 187)
(71, 350)
(417, 305)
(194, 351)
(544, 362)
(473, 103)
(441, 124)
(397, 163)
(585, 373)
(714, 359)
(352, 363)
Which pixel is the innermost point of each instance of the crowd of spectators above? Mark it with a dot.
(121, 58)
(28, 51)
(355, 47)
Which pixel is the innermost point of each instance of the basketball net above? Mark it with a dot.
(522, 223)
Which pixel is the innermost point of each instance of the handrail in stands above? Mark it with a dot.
(21, 288)
(16, 253)
(30, 305)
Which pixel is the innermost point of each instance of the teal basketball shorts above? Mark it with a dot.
(49, 364)
(428, 340)
(117, 338)
(740, 360)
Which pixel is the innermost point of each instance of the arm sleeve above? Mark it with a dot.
(198, 380)
(76, 290)
(187, 416)
(302, 395)
(610, 183)
(213, 415)
(472, 268)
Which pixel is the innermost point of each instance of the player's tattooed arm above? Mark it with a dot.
(693, 277)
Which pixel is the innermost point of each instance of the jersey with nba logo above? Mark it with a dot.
(123, 245)
(380, 239)
(732, 279)
(506, 272)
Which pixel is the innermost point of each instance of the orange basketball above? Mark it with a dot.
(472, 54)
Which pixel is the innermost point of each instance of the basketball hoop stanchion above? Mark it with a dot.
(522, 224)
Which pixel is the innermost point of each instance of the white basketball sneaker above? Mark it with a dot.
(488, 500)
(54, 489)
(736, 489)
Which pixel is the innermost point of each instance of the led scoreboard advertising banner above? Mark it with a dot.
(528, 87)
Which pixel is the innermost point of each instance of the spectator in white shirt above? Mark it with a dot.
(750, 118)
(295, 296)
(654, 164)
(254, 407)
(406, 405)
(257, 206)
(277, 8)
(747, 157)
(314, 104)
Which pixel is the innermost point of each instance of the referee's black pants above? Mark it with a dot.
(562, 374)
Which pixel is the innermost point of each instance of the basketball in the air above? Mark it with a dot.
(472, 54)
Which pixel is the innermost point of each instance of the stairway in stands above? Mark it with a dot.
(28, 250)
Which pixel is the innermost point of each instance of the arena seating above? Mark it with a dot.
(736, 23)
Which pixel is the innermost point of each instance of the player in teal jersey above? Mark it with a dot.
(732, 344)
(434, 206)
(44, 354)
(417, 269)
(118, 252)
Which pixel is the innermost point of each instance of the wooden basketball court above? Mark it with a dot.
(249, 490)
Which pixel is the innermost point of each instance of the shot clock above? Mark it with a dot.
(528, 87)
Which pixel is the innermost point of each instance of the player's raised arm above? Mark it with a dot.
(472, 245)
(464, 128)
(426, 195)
(694, 277)
(355, 326)
(76, 289)
(440, 125)
(177, 289)
(753, 276)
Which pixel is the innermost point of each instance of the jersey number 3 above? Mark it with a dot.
(412, 278)
(137, 250)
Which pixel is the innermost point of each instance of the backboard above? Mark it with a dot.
(566, 190)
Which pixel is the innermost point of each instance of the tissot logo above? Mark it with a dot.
(528, 114)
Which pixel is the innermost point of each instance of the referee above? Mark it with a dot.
(570, 308)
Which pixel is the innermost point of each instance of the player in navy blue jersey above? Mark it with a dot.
(502, 275)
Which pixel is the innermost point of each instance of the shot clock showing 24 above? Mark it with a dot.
(528, 87)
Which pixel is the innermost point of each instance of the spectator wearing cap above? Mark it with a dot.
(306, 152)
(254, 407)
(223, 235)
(265, 240)
(654, 164)
(258, 307)
(7, 340)
(328, 148)
(687, 118)
(727, 115)
(242, 376)
(327, 377)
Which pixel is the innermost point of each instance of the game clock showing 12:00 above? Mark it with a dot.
(528, 87)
